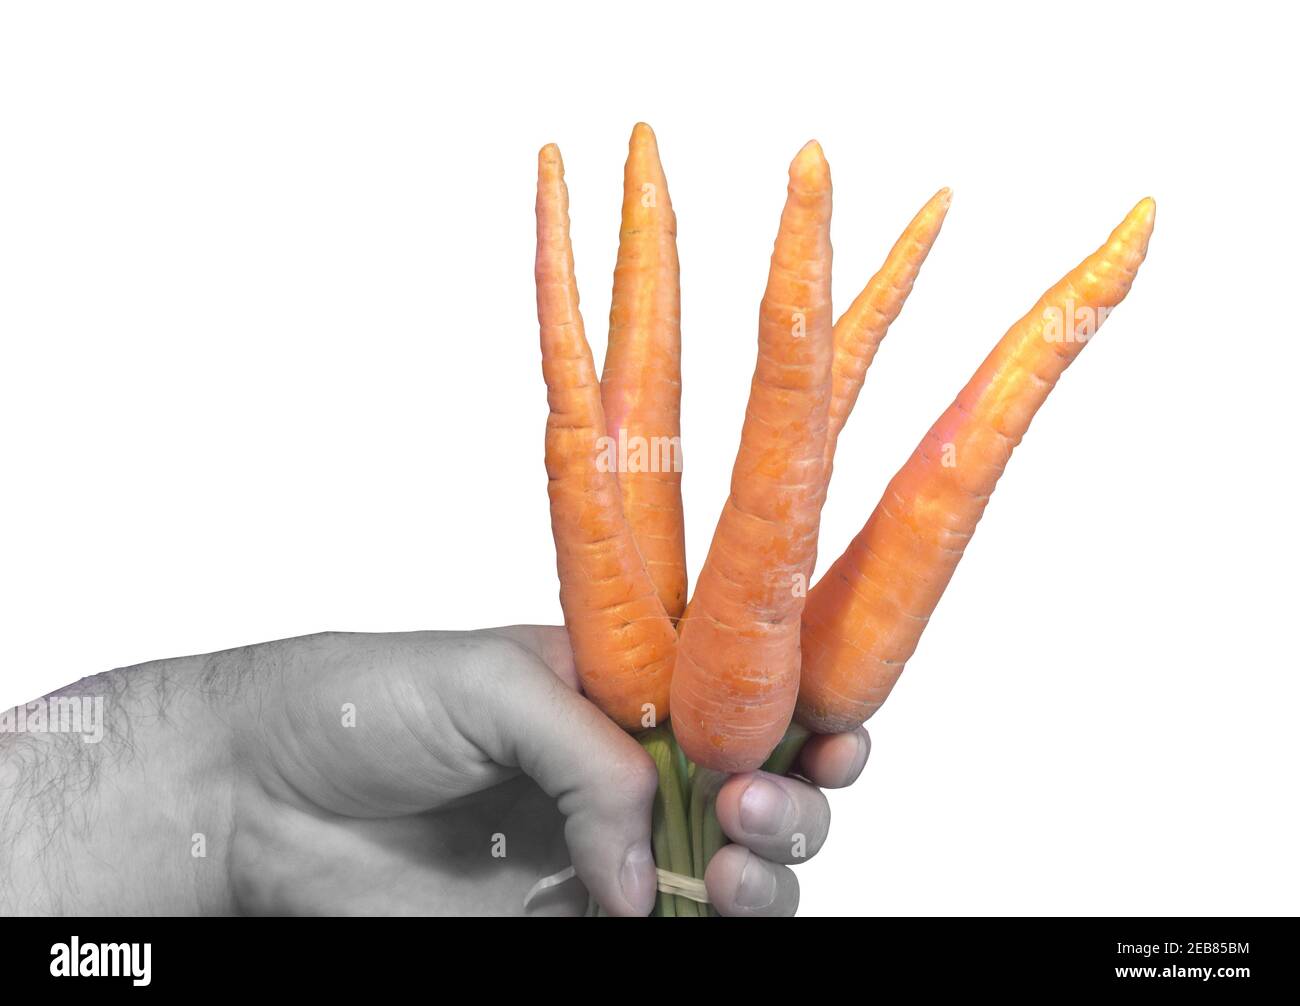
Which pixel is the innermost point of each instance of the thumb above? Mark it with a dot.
(522, 715)
(452, 714)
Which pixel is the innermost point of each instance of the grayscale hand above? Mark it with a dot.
(354, 774)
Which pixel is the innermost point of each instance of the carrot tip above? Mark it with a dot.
(944, 197)
(1140, 222)
(642, 133)
(812, 150)
(550, 154)
(810, 164)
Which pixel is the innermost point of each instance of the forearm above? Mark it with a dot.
(115, 793)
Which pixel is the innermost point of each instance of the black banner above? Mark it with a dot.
(1231, 956)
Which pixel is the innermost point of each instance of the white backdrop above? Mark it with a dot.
(270, 366)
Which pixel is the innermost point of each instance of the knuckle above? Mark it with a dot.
(498, 655)
(636, 776)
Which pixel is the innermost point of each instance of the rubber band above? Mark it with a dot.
(546, 883)
(683, 886)
(679, 884)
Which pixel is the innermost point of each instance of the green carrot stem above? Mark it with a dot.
(713, 837)
(704, 794)
(706, 833)
(685, 768)
(696, 817)
(783, 756)
(665, 904)
(671, 799)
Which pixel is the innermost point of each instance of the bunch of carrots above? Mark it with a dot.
(737, 678)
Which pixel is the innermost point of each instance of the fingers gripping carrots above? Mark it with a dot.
(737, 671)
(623, 642)
(864, 618)
(642, 383)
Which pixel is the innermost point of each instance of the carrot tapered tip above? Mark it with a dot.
(1135, 230)
(550, 155)
(643, 151)
(936, 209)
(1145, 213)
(809, 153)
(809, 166)
(1140, 220)
(642, 134)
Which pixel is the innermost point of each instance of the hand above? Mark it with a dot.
(418, 773)
(475, 768)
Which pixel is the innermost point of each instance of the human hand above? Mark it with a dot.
(473, 769)
(409, 773)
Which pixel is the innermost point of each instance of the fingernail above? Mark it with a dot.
(637, 878)
(864, 752)
(757, 884)
(764, 807)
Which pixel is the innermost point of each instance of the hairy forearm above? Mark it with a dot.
(115, 793)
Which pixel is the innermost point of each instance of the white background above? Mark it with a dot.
(270, 366)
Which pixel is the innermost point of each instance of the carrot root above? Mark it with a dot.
(623, 642)
(642, 382)
(737, 670)
(864, 618)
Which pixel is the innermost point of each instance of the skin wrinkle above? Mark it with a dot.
(288, 743)
(432, 716)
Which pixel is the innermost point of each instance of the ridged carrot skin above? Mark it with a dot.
(642, 383)
(623, 642)
(865, 617)
(737, 672)
(863, 326)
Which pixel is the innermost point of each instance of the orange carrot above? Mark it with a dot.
(863, 326)
(737, 671)
(864, 618)
(623, 642)
(642, 384)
